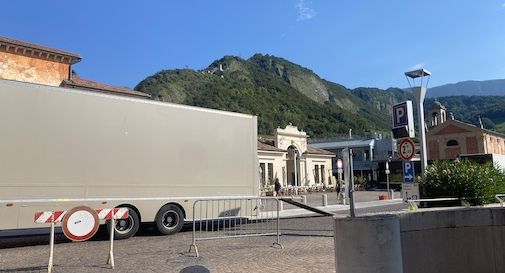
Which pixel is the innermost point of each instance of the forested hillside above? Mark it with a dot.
(280, 92)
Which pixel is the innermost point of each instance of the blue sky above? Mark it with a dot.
(354, 43)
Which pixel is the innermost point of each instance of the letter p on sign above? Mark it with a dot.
(400, 113)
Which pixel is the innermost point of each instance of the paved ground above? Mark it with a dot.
(308, 247)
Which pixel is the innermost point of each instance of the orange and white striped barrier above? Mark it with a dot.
(87, 219)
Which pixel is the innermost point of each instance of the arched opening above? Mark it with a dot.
(434, 119)
(293, 166)
(452, 142)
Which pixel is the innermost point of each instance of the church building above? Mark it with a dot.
(448, 139)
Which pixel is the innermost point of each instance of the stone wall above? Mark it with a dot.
(459, 241)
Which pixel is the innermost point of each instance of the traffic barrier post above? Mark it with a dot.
(52, 217)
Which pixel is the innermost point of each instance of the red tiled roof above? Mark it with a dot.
(80, 83)
(73, 58)
(264, 145)
(317, 151)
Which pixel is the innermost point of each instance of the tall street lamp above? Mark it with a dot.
(419, 90)
(387, 179)
(341, 194)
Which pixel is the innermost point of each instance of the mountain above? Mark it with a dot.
(274, 89)
(279, 92)
(469, 88)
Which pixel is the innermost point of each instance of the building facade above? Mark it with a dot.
(32, 63)
(448, 139)
(368, 153)
(288, 158)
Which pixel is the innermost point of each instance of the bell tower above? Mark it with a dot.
(437, 113)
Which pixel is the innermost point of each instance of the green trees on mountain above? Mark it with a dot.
(279, 92)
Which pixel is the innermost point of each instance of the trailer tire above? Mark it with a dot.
(169, 219)
(126, 228)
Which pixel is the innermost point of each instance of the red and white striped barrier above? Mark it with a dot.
(90, 224)
(116, 213)
(47, 217)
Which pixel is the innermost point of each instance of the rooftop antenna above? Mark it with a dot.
(480, 123)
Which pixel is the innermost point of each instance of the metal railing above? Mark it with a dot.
(499, 198)
(413, 205)
(234, 218)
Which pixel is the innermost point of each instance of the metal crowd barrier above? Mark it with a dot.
(235, 218)
(500, 199)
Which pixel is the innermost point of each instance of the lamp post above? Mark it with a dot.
(341, 194)
(296, 172)
(387, 179)
(352, 209)
(419, 91)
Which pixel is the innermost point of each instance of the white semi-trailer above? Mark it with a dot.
(61, 147)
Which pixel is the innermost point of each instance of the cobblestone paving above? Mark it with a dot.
(308, 247)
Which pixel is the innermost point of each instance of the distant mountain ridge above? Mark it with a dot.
(469, 88)
(281, 92)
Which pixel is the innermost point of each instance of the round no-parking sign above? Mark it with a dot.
(407, 149)
(80, 223)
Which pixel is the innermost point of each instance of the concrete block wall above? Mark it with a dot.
(464, 240)
(458, 240)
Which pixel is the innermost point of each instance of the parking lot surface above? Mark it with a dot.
(308, 247)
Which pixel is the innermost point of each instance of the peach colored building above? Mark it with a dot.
(447, 139)
(27, 62)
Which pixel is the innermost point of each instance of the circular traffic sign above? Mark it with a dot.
(80, 223)
(407, 149)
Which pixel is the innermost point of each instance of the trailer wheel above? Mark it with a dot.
(169, 219)
(126, 228)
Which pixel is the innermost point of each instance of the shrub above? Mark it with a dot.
(475, 182)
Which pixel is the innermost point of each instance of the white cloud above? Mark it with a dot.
(304, 11)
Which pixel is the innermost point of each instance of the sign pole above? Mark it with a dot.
(387, 179)
(111, 250)
(51, 251)
(351, 186)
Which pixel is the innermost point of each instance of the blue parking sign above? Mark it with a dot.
(408, 172)
(400, 115)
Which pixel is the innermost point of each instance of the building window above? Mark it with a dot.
(452, 142)
(263, 174)
(322, 174)
(316, 173)
(271, 173)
